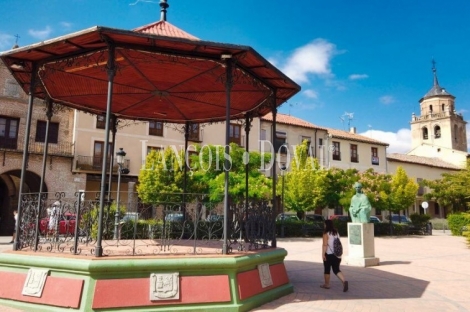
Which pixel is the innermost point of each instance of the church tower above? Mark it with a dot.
(439, 131)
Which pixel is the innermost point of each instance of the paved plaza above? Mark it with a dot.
(416, 273)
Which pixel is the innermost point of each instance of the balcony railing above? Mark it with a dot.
(93, 163)
(336, 156)
(58, 149)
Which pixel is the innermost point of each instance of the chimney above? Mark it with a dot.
(352, 130)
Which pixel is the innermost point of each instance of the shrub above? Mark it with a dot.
(89, 221)
(292, 228)
(457, 221)
(419, 220)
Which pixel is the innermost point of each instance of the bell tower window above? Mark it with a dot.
(430, 109)
(425, 133)
(437, 132)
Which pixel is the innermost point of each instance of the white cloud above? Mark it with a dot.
(6, 41)
(40, 34)
(310, 94)
(400, 142)
(358, 76)
(311, 59)
(387, 99)
(66, 25)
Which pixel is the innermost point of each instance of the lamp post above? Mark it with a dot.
(283, 173)
(120, 161)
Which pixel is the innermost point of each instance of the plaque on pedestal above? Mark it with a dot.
(361, 245)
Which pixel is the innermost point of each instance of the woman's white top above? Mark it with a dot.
(331, 238)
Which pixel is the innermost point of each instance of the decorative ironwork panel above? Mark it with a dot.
(179, 224)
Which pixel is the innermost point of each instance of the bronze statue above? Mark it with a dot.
(360, 206)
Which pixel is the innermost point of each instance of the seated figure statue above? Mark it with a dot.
(360, 206)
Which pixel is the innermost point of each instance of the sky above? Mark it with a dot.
(363, 64)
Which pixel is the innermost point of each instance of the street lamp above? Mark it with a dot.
(120, 161)
(283, 173)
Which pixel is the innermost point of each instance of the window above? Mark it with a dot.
(456, 134)
(156, 128)
(98, 152)
(194, 133)
(425, 133)
(41, 131)
(443, 107)
(336, 151)
(437, 132)
(430, 109)
(262, 137)
(154, 148)
(375, 155)
(100, 122)
(320, 142)
(354, 156)
(235, 136)
(280, 144)
(9, 132)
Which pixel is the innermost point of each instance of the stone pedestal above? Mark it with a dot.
(361, 245)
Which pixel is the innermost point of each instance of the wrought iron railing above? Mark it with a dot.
(58, 149)
(178, 224)
(94, 163)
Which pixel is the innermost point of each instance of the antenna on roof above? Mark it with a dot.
(16, 42)
(163, 5)
(350, 117)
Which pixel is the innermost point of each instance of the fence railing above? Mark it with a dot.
(94, 163)
(177, 224)
(59, 149)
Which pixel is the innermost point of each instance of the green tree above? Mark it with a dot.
(377, 187)
(402, 191)
(162, 175)
(339, 187)
(452, 190)
(207, 165)
(305, 183)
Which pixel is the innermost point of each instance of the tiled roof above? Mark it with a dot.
(163, 28)
(420, 160)
(291, 120)
(340, 134)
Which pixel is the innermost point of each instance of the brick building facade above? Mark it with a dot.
(13, 118)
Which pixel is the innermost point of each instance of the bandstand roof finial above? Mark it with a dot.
(163, 5)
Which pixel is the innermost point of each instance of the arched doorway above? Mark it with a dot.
(9, 194)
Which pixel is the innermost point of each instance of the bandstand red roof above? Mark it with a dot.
(163, 73)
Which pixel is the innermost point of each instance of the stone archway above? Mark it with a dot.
(9, 192)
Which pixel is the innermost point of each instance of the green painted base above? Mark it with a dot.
(206, 283)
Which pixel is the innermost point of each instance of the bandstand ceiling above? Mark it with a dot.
(158, 77)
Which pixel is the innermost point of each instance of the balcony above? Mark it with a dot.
(95, 164)
(57, 149)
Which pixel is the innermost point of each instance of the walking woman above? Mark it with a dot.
(330, 261)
